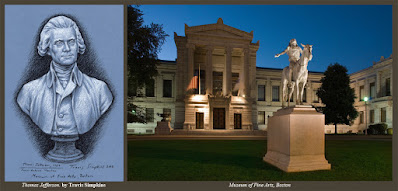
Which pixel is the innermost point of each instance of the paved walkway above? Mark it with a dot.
(246, 137)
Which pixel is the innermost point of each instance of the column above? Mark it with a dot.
(190, 66)
(246, 65)
(227, 75)
(209, 69)
(378, 84)
(268, 91)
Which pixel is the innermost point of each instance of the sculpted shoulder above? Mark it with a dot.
(94, 83)
(101, 91)
(35, 85)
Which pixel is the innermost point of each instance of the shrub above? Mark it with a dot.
(377, 129)
(389, 131)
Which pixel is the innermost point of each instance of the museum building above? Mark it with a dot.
(214, 84)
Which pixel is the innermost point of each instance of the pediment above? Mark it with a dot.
(220, 32)
(218, 29)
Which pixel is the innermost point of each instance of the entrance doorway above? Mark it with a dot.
(237, 121)
(219, 118)
(199, 120)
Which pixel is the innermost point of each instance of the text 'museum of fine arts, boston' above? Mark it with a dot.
(215, 84)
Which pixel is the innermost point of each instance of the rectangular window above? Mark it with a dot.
(361, 92)
(202, 84)
(275, 93)
(150, 88)
(372, 87)
(235, 84)
(149, 114)
(167, 88)
(388, 89)
(360, 117)
(217, 82)
(383, 115)
(372, 116)
(316, 98)
(261, 117)
(261, 92)
(167, 112)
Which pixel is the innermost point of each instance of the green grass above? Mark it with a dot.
(211, 160)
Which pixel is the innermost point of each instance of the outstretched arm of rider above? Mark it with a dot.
(282, 53)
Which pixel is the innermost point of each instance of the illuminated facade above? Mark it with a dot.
(214, 84)
(375, 83)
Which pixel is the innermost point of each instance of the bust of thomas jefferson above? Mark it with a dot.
(64, 101)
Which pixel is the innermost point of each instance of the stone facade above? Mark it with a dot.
(375, 83)
(246, 95)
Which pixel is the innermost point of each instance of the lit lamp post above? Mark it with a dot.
(366, 117)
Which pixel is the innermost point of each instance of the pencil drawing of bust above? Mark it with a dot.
(64, 102)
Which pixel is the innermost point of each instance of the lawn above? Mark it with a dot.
(211, 160)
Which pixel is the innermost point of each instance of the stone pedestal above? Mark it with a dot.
(163, 128)
(296, 140)
(65, 150)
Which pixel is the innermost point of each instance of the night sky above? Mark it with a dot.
(352, 35)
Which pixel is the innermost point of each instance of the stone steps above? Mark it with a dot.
(219, 132)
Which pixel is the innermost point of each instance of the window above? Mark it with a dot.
(275, 93)
(167, 111)
(235, 84)
(217, 82)
(361, 93)
(149, 131)
(202, 84)
(150, 88)
(167, 88)
(261, 117)
(371, 116)
(360, 117)
(316, 98)
(372, 90)
(261, 92)
(388, 89)
(149, 114)
(383, 115)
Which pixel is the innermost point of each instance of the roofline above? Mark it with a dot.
(370, 67)
(167, 61)
(257, 67)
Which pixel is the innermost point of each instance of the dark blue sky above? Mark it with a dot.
(352, 35)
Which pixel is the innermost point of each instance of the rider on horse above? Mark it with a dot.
(293, 51)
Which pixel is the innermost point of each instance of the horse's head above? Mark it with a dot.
(307, 47)
(307, 50)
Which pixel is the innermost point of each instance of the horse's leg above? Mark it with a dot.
(283, 93)
(291, 93)
(302, 92)
(297, 92)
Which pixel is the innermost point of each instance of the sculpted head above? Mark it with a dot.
(62, 40)
(293, 42)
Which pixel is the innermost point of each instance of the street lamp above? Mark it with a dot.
(366, 117)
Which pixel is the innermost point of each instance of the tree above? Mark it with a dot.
(337, 95)
(143, 46)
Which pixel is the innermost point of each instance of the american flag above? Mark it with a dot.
(193, 84)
